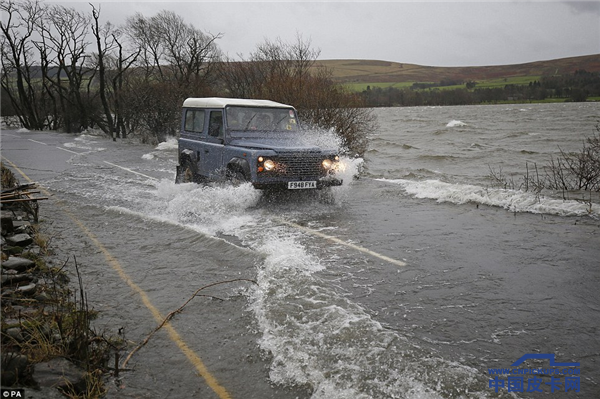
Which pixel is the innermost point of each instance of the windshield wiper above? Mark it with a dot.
(279, 121)
(250, 121)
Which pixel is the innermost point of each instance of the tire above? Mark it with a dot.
(236, 177)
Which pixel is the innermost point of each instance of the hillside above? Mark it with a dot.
(371, 71)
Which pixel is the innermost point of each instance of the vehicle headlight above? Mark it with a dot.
(327, 163)
(269, 164)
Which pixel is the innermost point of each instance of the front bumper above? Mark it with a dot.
(322, 182)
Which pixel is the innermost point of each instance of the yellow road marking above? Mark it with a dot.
(342, 242)
(173, 334)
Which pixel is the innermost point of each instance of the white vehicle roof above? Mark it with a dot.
(219, 102)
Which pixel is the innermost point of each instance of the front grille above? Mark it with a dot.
(299, 165)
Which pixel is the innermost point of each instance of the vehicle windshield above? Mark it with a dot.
(248, 119)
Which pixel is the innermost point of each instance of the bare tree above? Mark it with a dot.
(287, 73)
(173, 50)
(176, 60)
(568, 172)
(63, 49)
(189, 52)
(240, 78)
(576, 170)
(18, 73)
(112, 66)
(145, 36)
(104, 44)
(124, 122)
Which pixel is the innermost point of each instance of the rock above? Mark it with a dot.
(21, 224)
(12, 250)
(15, 368)
(7, 225)
(9, 323)
(15, 333)
(42, 297)
(9, 272)
(18, 264)
(28, 289)
(59, 373)
(10, 279)
(20, 240)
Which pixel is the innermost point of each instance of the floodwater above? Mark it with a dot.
(490, 274)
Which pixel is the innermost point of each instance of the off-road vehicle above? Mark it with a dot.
(256, 141)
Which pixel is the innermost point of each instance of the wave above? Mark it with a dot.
(477, 147)
(439, 157)
(528, 152)
(390, 145)
(455, 123)
(318, 337)
(513, 200)
(517, 134)
(400, 173)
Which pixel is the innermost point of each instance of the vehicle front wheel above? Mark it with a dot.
(236, 177)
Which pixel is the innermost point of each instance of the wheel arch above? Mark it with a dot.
(241, 165)
(187, 155)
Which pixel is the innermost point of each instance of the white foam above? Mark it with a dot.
(216, 208)
(513, 200)
(455, 123)
(170, 144)
(163, 150)
(84, 142)
(319, 337)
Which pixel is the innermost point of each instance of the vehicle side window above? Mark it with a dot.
(194, 120)
(215, 127)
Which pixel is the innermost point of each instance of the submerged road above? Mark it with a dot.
(379, 295)
(175, 368)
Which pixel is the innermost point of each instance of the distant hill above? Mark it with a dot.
(353, 72)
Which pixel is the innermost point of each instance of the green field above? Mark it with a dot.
(481, 84)
(359, 87)
(357, 75)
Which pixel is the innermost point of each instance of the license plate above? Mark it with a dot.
(300, 185)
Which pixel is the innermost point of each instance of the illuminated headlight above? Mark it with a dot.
(269, 164)
(327, 163)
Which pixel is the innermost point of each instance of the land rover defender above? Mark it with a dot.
(256, 141)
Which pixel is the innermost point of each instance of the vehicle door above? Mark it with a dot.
(211, 158)
(193, 135)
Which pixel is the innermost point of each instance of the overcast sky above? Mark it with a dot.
(440, 33)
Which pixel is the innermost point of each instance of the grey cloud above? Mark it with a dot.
(583, 7)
